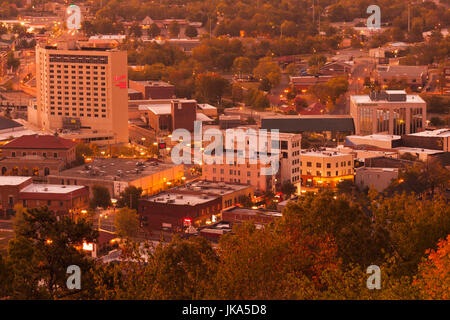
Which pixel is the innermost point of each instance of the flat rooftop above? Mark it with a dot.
(376, 137)
(210, 187)
(433, 133)
(205, 106)
(51, 188)
(254, 212)
(309, 123)
(12, 180)
(322, 154)
(374, 169)
(158, 109)
(181, 199)
(116, 169)
(151, 83)
(410, 98)
(418, 150)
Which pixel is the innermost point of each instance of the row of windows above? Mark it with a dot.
(66, 66)
(73, 78)
(231, 172)
(80, 115)
(49, 203)
(80, 93)
(319, 164)
(44, 154)
(65, 58)
(232, 180)
(79, 109)
(319, 173)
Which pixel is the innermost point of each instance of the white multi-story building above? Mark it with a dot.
(289, 146)
(392, 112)
(82, 90)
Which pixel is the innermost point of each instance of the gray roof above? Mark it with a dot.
(296, 124)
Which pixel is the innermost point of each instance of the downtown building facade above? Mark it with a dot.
(392, 112)
(325, 169)
(82, 93)
(250, 171)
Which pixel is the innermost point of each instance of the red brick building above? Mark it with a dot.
(60, 199)
(176, 211)
(9, 192)
(184, 113)
(153, 89)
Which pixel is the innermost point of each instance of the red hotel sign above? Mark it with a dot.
(119, 83)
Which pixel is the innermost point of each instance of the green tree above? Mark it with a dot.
(268, 69)
(129, 197)
(191, 32)
(100, 197)
(210, 87)
(174, 29)
(237, 93)
(12, 62)
(42, 250)
(275, 262)
(242, 65)
(357, 239)
(413, 227)
(154, 30)
(317, 60)
(127, 223)
(289, 29)
(136, 30)
(287, 188)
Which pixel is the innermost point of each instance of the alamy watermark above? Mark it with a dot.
(74, 280)
(374, 20)
(374, 280)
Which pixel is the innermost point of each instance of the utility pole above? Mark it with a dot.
(314, 16)
(409, 18)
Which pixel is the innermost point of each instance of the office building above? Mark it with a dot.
(392, 112)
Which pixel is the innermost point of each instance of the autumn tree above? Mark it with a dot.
(413, 226)
(434, 272)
